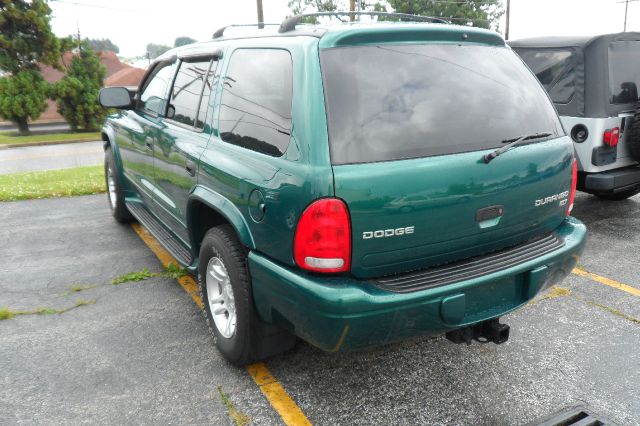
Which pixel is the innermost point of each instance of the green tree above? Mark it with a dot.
(77, 93)
(155, 50)
(22, 96)
(181, 41)
(26, 39)
(102, 45)
(477, 13)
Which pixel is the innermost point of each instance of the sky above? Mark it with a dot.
(131, 24)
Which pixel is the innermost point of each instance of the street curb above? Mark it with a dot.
(19, 145)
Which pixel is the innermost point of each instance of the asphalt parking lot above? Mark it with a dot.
(139, 352)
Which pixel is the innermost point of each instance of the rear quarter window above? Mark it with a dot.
(555, 69)
(255, 110)
(393, 102)
(624, 71)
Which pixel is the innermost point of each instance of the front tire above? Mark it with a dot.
(114, 189)
(226, 293)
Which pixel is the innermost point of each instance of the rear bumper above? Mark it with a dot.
(610, 181)
(342, 313)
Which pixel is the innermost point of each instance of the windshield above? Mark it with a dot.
(394, 102)
(624, 71)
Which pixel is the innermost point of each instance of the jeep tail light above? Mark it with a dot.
(574, 183)
(323, 237)
(611, 137)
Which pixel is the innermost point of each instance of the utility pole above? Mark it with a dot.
(260, 14)
(506, 33)
(352, 8)
(626, 7)
(78, 29)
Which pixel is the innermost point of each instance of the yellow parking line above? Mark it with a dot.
(279, 399)
(606, 281)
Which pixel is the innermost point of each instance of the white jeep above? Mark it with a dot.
(593, 83)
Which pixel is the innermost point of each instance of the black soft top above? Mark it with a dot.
(591, 66)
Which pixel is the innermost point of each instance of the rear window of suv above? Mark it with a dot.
(394, 102)
(624, 71)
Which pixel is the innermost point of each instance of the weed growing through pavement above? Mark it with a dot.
(134, 276)
(174, 271)
(6, 313)
(238, 417)
(77, 288)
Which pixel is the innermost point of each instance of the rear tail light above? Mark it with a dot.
(611, 137)
(323, 237)
(574, 183)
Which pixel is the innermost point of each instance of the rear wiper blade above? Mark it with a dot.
(512, 143)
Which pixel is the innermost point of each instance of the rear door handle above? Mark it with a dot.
(190, 167)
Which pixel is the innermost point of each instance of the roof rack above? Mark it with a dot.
(289, 24)
(220, 31)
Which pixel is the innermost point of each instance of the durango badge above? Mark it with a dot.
(561, 197)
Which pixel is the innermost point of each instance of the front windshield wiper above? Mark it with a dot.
(512, 143)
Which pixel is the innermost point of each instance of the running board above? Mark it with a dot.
(168, 241)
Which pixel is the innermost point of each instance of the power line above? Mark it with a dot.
(93, 5)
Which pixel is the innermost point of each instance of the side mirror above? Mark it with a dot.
(115, 97)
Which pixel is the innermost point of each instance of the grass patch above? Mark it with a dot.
(134, 276)
(6, 313)
(7, 138)
(237, 416)
(52, 183)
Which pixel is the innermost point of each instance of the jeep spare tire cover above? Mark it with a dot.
(633, 135)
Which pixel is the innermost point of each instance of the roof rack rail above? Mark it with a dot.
(220, 31)
(289, 24)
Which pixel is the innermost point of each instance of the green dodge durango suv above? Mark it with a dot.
(351, 185)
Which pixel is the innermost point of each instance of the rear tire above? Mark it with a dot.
(225, 288)
(619, 196)
(114, 189)
(633, 135)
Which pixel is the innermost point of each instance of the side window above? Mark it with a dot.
(206, 94)
(554, 69)
(191, 79)
(255, 110)
(152, 97)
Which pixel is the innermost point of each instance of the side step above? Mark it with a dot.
(171, 243)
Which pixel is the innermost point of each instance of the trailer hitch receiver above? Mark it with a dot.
(483, 332)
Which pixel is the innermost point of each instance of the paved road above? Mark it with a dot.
(44, 127)
(141, 353)
(50, 157)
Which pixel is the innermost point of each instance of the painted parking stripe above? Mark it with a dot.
(606, 281)
(279, 399)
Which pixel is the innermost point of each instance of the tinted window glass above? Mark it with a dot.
(187, 88)
(408, 101)
(255, 110)
(555, 69)
(153, 97)
(624, 71)
(206, 94)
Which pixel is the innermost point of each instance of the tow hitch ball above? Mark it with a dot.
(484, 332)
